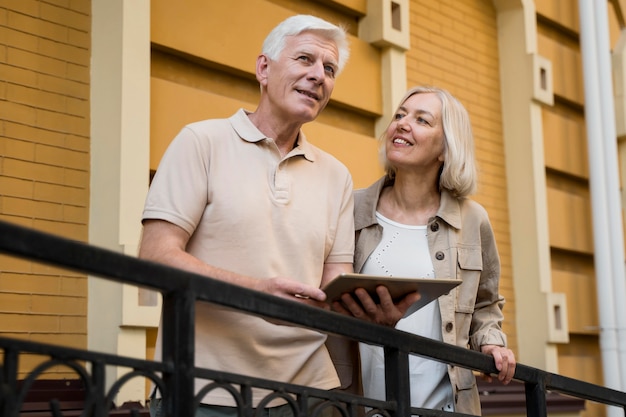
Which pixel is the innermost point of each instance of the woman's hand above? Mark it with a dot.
(504, 359)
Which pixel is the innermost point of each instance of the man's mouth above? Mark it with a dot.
(309, 94)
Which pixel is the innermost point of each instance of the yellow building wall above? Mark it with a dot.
(44, 164)
(569, 203)
(194, 80)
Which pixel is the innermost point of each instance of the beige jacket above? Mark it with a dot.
(462, 246)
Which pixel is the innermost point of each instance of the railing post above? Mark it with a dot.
(178, 317)
(536, 401)
(8, 383)
(96, 396)
(397, 384)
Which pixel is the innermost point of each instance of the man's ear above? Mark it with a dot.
(262, 69)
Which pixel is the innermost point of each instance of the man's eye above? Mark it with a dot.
(330, 69)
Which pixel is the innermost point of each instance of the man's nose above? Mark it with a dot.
(316, 72)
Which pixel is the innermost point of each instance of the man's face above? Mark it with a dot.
(300, 82)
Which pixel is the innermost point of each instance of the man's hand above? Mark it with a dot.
(505, 362)
(165, 243)
(293, 290)
(360, 305)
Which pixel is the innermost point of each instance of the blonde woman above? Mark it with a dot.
(417, 221)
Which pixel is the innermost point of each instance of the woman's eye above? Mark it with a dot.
(398, 116)
(422, 120)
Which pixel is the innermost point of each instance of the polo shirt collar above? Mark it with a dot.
(250, 133)
(245, 128)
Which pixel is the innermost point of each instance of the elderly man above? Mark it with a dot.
(250, 201)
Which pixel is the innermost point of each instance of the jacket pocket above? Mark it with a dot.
(470, 258)
(469, 270)
(465, 378)
(466, 399)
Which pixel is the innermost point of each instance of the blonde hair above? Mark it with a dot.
(458, 174)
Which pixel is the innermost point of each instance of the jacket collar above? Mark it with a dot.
(366, 201)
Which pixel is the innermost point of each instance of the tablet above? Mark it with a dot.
(429, 288)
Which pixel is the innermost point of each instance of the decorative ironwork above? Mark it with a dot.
(174, 377)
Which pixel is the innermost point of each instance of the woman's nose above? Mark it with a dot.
(403, 125)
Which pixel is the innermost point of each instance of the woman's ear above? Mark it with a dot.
(442, 155)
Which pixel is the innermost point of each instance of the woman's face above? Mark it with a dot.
(415, 138)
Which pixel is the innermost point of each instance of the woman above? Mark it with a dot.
(417, 221)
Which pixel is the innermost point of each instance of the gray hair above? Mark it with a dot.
(275, 41)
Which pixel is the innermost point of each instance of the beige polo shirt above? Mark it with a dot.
(250, 211)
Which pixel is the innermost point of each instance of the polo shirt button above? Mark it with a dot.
(439, 255)
(449, 327)
(434, 227)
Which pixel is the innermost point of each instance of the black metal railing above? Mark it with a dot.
(175, 374)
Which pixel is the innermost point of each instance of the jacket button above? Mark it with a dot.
(449, 327)
(439, 255)
(434, 227)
